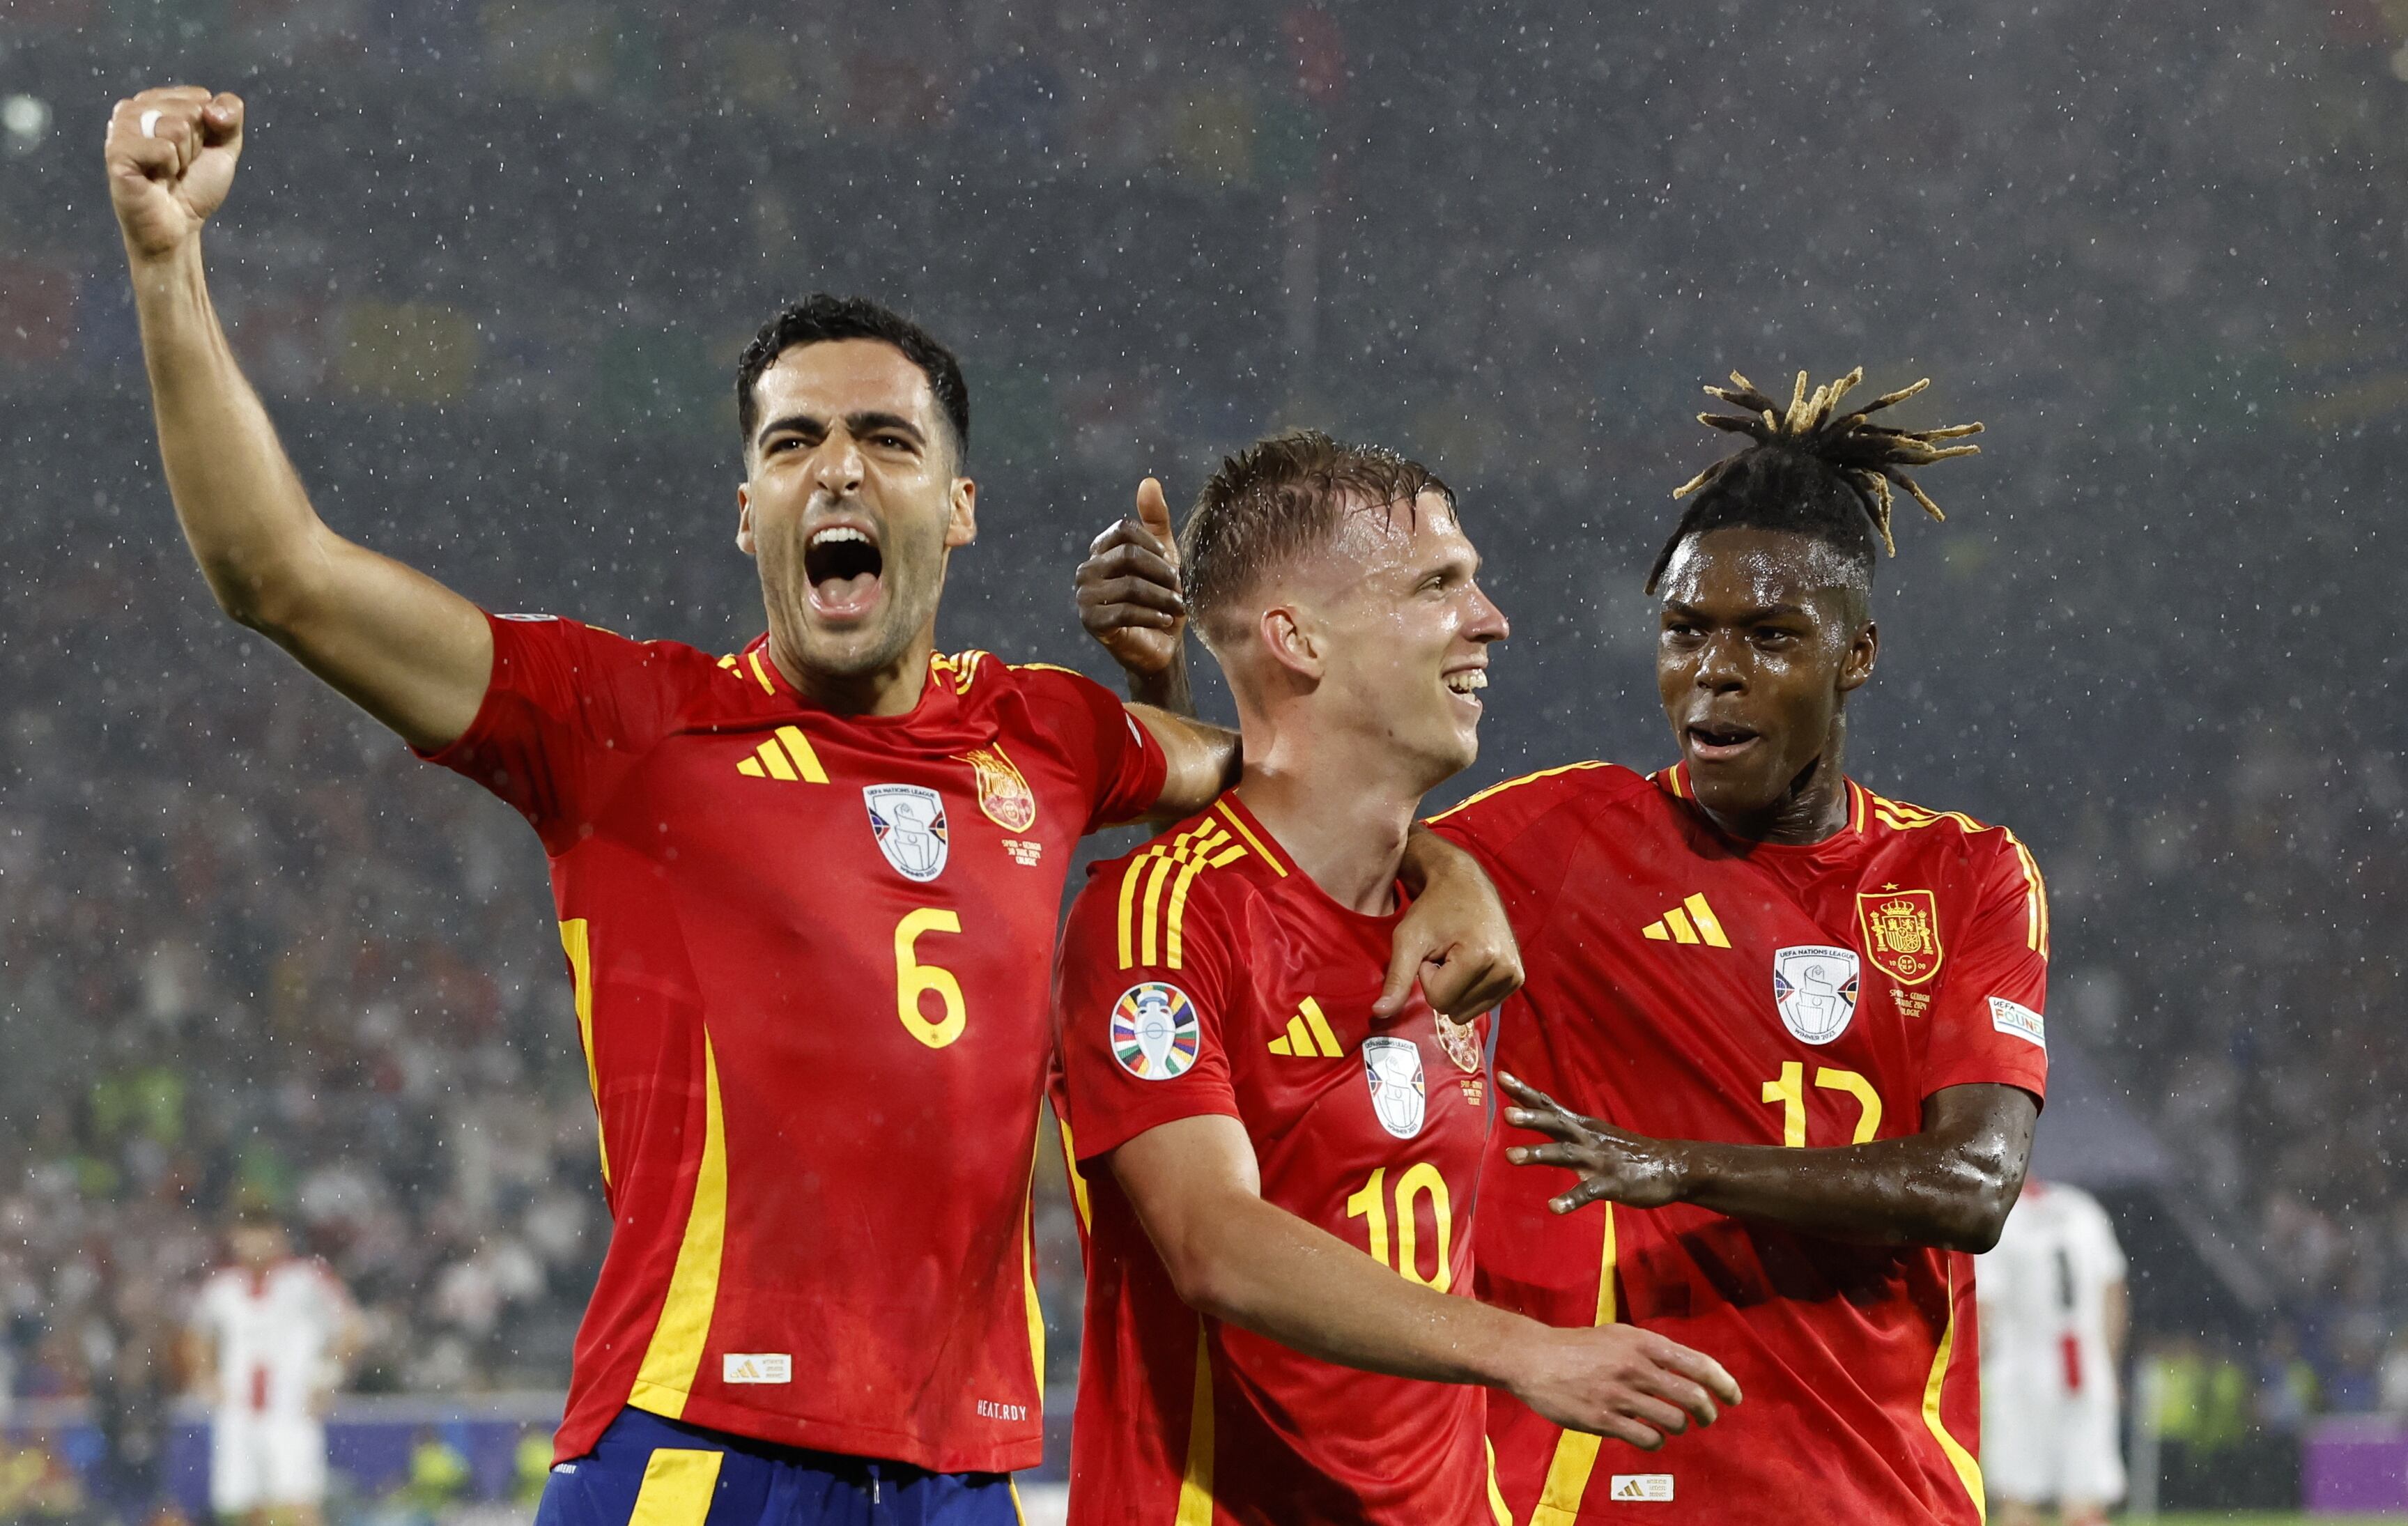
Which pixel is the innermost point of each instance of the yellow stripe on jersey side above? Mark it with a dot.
(577, 941)
(1196, 1477)
(1969, 1472)
(1470, 800)
(1028, 1275)
(675, 1354)
(1078, 1182)
(1575, 1459)
(676, 1488)
(1496, 1510)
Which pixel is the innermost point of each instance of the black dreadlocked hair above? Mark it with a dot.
(1812, 469)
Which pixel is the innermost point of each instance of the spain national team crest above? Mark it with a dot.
(1400, 1098)
(909, 822)
(1003, 794)
(1815, 988)
(1155, 1032)
(1901, 933)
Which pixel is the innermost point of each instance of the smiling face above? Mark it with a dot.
(852, 509)
(1391, 622)
(1763, 635)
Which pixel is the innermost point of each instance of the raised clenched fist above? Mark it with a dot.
(171, 154)
(1129, 587)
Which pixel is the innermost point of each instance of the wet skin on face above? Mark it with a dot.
(1763, 634)
(1394, 610)
(852, 509)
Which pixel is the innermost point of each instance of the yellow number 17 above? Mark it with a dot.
(1791, 1092)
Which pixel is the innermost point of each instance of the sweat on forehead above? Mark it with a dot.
(1776, 566)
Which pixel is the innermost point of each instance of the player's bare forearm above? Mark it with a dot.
(1201, 761)
(1455, 937)
(408, 651)
(1239, 1259)
(1950, 1184)
(1167, 688)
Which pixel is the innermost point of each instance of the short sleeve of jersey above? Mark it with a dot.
(1524, 833)
(567, 706)
(1118, 760)
(1986, 1025)
(1140, 1044)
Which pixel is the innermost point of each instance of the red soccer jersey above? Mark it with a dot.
(1687, 985)
(806, 950)
(1206, 974)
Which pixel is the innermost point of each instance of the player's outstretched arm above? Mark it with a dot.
(1239, 1259)
(1949, 1185)
(407, 650)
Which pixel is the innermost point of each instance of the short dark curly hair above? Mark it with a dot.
(1279, 498)
(818, 318)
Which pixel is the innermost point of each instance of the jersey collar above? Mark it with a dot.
(752, 664)
(1674, 781)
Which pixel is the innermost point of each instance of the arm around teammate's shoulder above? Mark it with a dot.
(411, 652)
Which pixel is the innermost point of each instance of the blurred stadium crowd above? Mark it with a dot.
(492, 261)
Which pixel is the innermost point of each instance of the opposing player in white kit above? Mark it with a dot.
(271, 1335)
(2054, 1312)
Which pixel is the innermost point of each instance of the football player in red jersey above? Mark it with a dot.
(1811, 1016)
(1279, 1179)
(806, 891)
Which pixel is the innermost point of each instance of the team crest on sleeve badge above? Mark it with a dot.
(909, 821)
(1815, 988)
(1399, 1095)
(1155, 1036)
(1003, 792)
(1901, 933)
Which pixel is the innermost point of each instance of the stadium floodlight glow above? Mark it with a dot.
(26, 120)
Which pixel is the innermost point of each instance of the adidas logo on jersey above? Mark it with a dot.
(1691, 922)
(1309, 1034)
(1654, 1488)
(793, 760)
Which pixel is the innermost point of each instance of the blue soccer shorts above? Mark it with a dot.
(647, 1471)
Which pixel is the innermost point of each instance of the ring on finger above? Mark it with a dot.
(149, 121)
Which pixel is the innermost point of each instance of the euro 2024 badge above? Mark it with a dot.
(1815, 988)
(909, 821)
(1154, 1033)
(1393, 1069)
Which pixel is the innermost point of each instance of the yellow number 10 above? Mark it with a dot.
(1791, 1092)
(914, 980)
(1371, 1203)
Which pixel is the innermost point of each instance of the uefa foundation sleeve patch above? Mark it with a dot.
(1155, 1035)
(2020, 1020)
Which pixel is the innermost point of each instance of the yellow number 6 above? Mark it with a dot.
(914, 980)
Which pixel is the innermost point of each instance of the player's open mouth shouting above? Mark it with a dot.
(842, 561)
